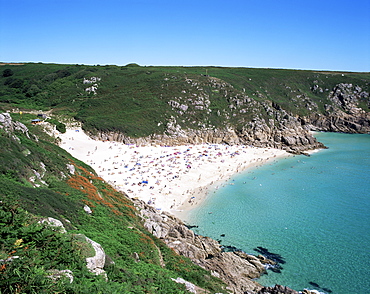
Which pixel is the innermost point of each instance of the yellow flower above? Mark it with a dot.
(18, 243)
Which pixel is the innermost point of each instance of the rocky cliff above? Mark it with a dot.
(257, 120)
(344, 113)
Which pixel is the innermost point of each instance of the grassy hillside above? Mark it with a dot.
(38, 180)
(139, 101)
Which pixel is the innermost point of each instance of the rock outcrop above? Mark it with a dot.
(277, 289)
(96, 263)
(237, 269)
(54, 223)
(292, 137)
(55, 275)
(10, 126)
(344, 113)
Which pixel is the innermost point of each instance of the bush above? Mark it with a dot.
(30, 249)
(63, 73)
(32, 91)
(14, 83)
(7, 73)
(61, 127)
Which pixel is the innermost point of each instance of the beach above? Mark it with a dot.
(169, 178)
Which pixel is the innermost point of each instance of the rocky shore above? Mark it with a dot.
(236, 268)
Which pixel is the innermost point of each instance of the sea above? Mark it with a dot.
(311, 214)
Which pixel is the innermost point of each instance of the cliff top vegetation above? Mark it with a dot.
(139, 101)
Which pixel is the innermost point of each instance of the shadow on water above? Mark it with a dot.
(191, 226)
(273, 256)
(317, 286)
(277, 258)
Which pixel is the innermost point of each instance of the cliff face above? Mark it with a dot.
(294, 138)
(257, 120)
(286, 132)
(344, 114)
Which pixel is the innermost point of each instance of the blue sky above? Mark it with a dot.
(297, 34)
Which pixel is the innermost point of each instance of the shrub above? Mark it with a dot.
(32, 91)
(14, 83)
(7, 72)
(61, 127)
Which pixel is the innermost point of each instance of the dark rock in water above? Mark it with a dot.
(228, 248)
(276, 269)
(191, 227)
(314, 284)
(273, 256)
(276, 259)
(277, 289)
(222, 235)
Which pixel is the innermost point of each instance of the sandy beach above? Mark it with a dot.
(171, 179)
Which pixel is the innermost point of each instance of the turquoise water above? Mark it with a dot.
(313, 211)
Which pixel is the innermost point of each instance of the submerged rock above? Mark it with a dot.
(277, 289)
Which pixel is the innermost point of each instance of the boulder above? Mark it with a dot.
(55, 274)
(54, 223)
(189, 286)
(277, 289)
(10, 126)
(87, 209)
(95, 264)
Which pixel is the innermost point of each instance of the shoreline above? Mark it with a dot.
(204, 192)
(173, 179)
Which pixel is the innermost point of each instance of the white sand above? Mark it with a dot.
(169, 178)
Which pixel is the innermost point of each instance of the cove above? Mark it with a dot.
(313, 212)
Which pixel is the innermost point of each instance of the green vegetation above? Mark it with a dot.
(38, 179)
(140, 101)
(61, 127)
